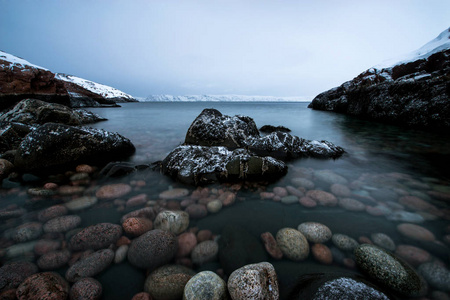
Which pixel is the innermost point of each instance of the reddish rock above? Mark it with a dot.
(415, 203)
(280, 191)
(96, 237)
(146, 212)
(142, 296)
(322, 197)
(413, 255)
(91, 265)
(52, 212)
(267, 195)
(85, 169)
(415, 232)
(351, 204)
(322, 254)
(54, 260)
(13, 274)
(186, 243)
(62, 224)
(204, 235)
(137, 226)
(86, 289)
(45, 246)
(271, 245)
(196, 211)
(123, 240)
(307, 202)
(47, 285)
(340, 190)
(174, 194)
(137, 200)
(227, 198)
(51, 186)
(364, 240)
(294, 191)
(173, 205)
(112, 191)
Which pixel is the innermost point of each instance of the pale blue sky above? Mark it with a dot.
(250, 47)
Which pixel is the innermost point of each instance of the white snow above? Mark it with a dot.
(101, 89)
(17, 61)
(440, 43)
(222, 98)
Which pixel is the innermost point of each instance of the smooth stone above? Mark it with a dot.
(174, 194)
(168, 282)
(415, 232)
(137, 226)
(388, 270)
(330, 177)
(384, 241)
(412, 255)
(271, 245)
(146, 212)
(121, 254)
(340, 190)
(196, 211)
(186, 243)
(214, 206)
(315, 232)
(255, 281)
(322, 254)
(112, 191)
(303, 182)
(205, 285)
(307, 202)
(137, 200)
(96, 237)
(294, 191)
(45, 246)
(21, 249)
(142, 296)
(81, 203)
(173, 221)
(54, 260)
(415, 203)
(344, 242)
(91, 265)
(323, 198)
(293, 244)
(62, 224)
(27, 232)
(436, 275)
(46, 285)
(52, 212)
(351, 204)
(152, 249)
(205, 252)
(280, 191)
(86, 289)
(289, 199)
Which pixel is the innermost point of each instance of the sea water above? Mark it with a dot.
(379, 160)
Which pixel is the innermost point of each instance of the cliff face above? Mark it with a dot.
(414, 93)
(20, 79)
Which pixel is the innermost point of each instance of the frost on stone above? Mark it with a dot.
(347, 289)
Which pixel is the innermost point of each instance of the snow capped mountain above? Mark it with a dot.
(101, 89)
(17, 61)
(440, 43)
(222, 98)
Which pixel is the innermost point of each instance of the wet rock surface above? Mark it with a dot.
(47, 285)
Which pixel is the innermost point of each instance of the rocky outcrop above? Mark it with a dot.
(54, 146)
(414, 93)
(20, 79)
(221, 148)
(32, 111)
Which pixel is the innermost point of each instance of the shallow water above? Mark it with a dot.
(382, 163)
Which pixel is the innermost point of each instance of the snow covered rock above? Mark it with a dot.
(20, 79)
(412, 92)
(53, 146)
(32, 111)
(202, 165)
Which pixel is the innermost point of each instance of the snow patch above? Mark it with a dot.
(19, 62)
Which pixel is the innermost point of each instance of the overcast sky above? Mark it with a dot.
(248, 47)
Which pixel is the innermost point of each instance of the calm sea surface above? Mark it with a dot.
(382, 164)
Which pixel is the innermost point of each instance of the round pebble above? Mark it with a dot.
(280, 191)
(173, 221)
(112, 191)
(121, 254)
(351, 204)
(415, 232)
(27, 232)
(322, 197)
(330, 177)
(204, 252)
(293, 244)
(303, 182)
(186, 243)
(91, 265)
(340, 190)
(86, 289)
(214, 206)
(168, 282)
(81, 203)
(315, 232)
(205, 285)
(52, 212)
(137, 226)
(322, 254)
(383, 240)
(271, 245)
(291, 199)
(174, 194)
(307, 202)
(96, 237)
(413, 255)
(196, 211)
(62, 224)
(436, 275)
(344, 242)
(54, 260)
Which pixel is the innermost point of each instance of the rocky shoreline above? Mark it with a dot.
(73, 228)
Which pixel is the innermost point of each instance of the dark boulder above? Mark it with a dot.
(271, 128)
(11, 135)
(56, 146)
(203, 165)
(413, 94)
(32, 111)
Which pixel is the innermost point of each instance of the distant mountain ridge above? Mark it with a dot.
(20, 79)
(222, 98)
(411, 91)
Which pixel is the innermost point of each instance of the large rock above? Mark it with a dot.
(91, 265)
(96, 237)
(47, 285)
(202, 165)
(55, 146)
(32, 111)
(153, 249)
(411, 93)
(11, 135)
